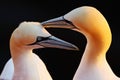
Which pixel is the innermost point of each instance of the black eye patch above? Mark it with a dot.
(39, 39)
(69, 22)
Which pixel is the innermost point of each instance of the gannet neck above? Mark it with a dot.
(93, 65)
(27, 65)
(17, 49)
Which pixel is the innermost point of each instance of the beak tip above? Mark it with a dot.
(76, 48)
(73, 47)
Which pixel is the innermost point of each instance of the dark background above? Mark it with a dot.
(61, 64)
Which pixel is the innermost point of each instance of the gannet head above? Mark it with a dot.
(33, 35)
(87, 20)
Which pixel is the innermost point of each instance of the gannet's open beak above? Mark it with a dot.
(53, 42)
(59, 22)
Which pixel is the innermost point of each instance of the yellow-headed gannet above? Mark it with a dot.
(93, 25)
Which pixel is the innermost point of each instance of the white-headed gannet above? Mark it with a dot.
(27, 65)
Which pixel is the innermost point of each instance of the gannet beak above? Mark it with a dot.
(53, 42)
(59, 22)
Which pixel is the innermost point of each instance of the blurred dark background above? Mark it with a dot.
(61, 64)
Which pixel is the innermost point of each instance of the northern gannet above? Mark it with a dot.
(24, 64)
(92, 24)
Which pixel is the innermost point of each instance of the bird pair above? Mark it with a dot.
(86, 20)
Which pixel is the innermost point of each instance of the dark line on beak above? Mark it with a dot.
(67, 21)
(39, 39)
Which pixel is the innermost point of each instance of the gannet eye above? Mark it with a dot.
(39, 38)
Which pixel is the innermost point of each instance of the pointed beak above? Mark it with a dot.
(59, 22)
(53, 42)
